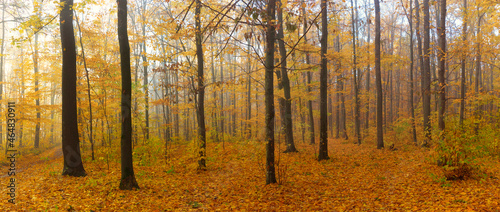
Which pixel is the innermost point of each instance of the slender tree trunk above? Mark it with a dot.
(419, 43)
(389, 79)
(355, 75)
(442, 65)
(136, 82)
(309, 78)
(323, 92)
(52, 102)
(145, 66)
(378, 78)
(37, 100)
(368, 71)
(343, 116)
(201, 90)
(214, 97)
(479, 75)
(463, 63)
(269, 65)
(128, 181)
(412, 87)
(338, 90)
(221, 96)
(249, 93)
(426, 86)
(73, 165)
(21, 114)
(88, 91)
(290, 145)
(233, 102)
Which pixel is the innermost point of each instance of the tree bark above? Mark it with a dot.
(355, 76)
(309, 78)
(290, 145)
(73, 165)
(442, 65)
(91, 137)
(378, 78)
(37, 100)
(426, 86)
(323, 93)
(269, 92)
(368, 71)
(145, 66)
(201, 90)
(412, 86)
(463, 64)
(128, 181)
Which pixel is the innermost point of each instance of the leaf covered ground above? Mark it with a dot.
(356, 178)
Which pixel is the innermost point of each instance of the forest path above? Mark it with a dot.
(24, 162)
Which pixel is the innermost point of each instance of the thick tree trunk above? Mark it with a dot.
(73, 165)
(323, 92)
(269, 91)
(128, 181)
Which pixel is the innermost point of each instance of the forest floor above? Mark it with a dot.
(356, 178)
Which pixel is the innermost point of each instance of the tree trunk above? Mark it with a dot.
(378, 78)
(269, 92)
(145, 66)
(201, 90)
(419, 43)
(37, 100)
(463, 64)
(368, 71)
(88, 91)
(221, 95)
(323, 93)
(309, 102)
(426, 75)
(249, 93)
(128, 181)
(355, 75)
(290, 145)
(479, 75)
(442, 65)
(214, 97)
(73, 165)
(412, 87)
(342, 112)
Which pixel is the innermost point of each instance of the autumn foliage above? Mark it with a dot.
(355, 178)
